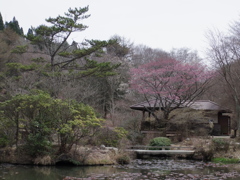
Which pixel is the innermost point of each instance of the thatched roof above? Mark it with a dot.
(197, 105)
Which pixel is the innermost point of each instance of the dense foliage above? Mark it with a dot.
(160, 141)
(53, 41)
(13, 25)
(110, 137)
(1, 23)
(36, 118)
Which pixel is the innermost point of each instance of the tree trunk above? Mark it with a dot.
(17, 130)
(237, 115)
(238, 122)
(63, 144)
(166, 115)
(105, 110)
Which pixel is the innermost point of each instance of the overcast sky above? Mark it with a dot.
(163, 24)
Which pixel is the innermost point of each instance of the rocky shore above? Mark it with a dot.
(167, 170)
(77, 156)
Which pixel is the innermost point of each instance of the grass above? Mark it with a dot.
(225, 160)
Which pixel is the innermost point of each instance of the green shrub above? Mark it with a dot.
(220, 144)
(4, 141)
(123, 159)
(110, 137)
(160, 141)
(38, 145)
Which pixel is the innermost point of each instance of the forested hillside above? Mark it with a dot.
(54, 90)
(46, 78)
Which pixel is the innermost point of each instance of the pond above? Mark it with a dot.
(166, 169)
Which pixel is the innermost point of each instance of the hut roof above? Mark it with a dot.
(198, 105)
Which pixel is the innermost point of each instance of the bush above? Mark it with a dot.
(220, 144)
(110, 137)
(38, 145)
(123, 159)
(206, 153)
(160, 141)
(4, 141)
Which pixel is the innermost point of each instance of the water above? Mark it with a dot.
(139, 169)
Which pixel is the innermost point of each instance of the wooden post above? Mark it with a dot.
(143, 115)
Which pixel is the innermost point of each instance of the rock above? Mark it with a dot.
(102, 146)
(113, 149)
(191, 176)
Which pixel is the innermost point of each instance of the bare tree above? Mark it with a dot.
(143, 54)
(224, 51)
(185, 55)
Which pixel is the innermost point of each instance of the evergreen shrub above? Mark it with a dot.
(110, 137)
(123, 159)
(3, 141)
(38, 145)
(160, 141)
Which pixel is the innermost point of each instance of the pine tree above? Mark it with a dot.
(60, 30)
(30, 32)
(14, 25)
(21, 31)
(1, 23)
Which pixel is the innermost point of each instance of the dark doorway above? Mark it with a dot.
(224, 122)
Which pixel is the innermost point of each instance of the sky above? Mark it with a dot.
(159, 24)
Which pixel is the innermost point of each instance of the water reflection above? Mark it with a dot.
(20, 172)
(138, 169)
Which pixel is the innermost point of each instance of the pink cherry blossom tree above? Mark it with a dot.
(169, 84)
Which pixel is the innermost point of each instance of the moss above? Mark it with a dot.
(225, 160)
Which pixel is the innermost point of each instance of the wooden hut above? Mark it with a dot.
(209, 110)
